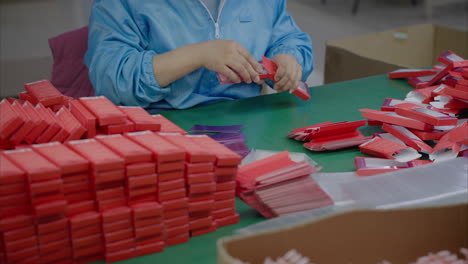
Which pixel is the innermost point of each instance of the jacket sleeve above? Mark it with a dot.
(119, 66)
(288, 38)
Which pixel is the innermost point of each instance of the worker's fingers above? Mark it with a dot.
(253, 73)
(230, 74)
(240, 69)
(280, 73)
(250, 59)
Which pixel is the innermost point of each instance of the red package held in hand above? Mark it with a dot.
(142, 119)
(105, 111)
(302, 91)
(44, 92)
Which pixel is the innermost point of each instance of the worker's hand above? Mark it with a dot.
(289, 73)
(229, 58)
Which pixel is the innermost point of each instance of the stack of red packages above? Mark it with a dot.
(148, 223)
(278, 185)
(98, 175)
(48, 203)
(13, 187)
(119, 238)
(107, 173)
(140, 171)
(330, 136)
(199, 167)
(225, 172)
(75, 175)
(9, 123)
(171, 193)
(18, 239)
(86, 237)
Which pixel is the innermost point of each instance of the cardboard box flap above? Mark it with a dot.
(380, 53)
(399, 236)
(447, 38)
(407, 47)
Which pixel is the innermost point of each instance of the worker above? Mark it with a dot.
(164, 54)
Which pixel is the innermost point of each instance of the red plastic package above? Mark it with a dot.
(44, 92)
(27, 126)
(85, 117)
(126, 148)
(167, 126)
(10, 120)
(163, 150)
(37, 168)
(62, 156)
(142, 119)
(388, 149)
(105, 111)
(224, 156)
(100, 157)
(194, 152)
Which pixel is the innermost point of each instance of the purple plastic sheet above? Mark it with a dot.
(239, 148)
(217, 129)
(228, 138)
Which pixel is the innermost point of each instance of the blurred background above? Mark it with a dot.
(26, 26)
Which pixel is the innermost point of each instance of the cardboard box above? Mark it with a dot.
(380, 53)
(399, 236)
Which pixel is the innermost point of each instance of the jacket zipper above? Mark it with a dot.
(216, 23)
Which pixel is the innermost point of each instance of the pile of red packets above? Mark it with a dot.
(278, 185)
(113, 197)
(44, 115)
(269, 72)
(429, 121)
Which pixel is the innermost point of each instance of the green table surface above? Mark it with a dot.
(267, 120)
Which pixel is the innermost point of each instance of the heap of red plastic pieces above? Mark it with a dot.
(113, 197)
(43, 114)
(427, 122)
